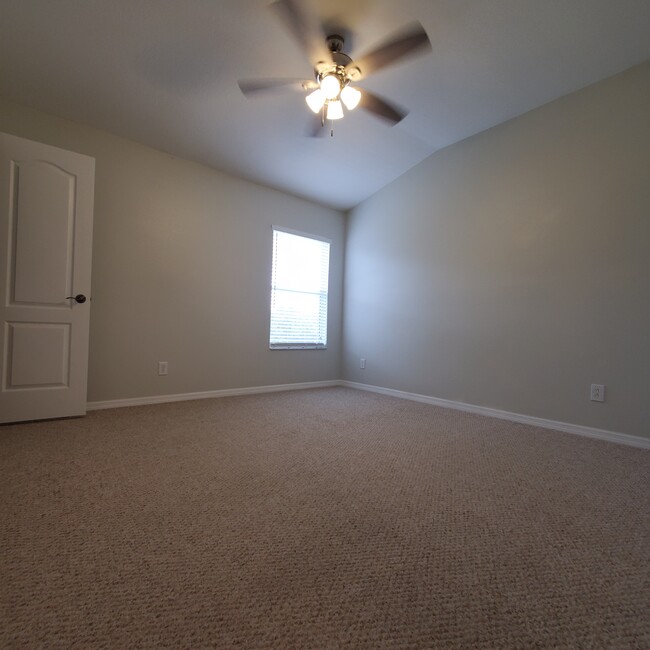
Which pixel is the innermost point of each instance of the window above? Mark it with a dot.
(299, 291)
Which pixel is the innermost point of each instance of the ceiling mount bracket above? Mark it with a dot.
(335, 42)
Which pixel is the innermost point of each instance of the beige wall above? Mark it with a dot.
(181, 269)
(512, 270)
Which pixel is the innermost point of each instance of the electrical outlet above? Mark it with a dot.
(597, 393)
(163, 367)
(362, 364)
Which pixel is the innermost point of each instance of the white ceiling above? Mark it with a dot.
(164, 73)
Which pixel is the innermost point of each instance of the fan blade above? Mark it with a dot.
(252, 86)
(305, 29)
(381, 108)
(411, 41)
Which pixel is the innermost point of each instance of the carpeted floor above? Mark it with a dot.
(320, 519)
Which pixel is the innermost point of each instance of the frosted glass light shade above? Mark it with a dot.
(334, 110)
(331, 86)
(315, 100)
(351, 97)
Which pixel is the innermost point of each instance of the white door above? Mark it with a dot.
(46, 217)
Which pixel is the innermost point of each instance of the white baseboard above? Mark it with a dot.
(228, 392)
(600, 434)
(589, 432)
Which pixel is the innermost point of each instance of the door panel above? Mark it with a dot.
(38, 355)
(42, 212)
(46, 210)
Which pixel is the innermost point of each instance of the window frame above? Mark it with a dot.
(298, 346)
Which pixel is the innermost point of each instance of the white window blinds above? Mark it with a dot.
(299, 291)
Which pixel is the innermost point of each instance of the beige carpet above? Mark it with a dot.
(319, 519)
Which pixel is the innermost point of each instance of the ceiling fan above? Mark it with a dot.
(335, 72)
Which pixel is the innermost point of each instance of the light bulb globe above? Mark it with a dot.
(351, 97)
(334, 110)
(331, 86)
(315, 100)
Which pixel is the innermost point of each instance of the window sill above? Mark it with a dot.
(288, 346)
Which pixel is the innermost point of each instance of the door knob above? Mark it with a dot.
(80, 298)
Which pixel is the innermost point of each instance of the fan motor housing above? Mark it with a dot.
(339, 60)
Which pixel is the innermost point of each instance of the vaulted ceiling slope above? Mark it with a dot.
(164, 73)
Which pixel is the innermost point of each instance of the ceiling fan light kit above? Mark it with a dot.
(335, 71)
(330, 94)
